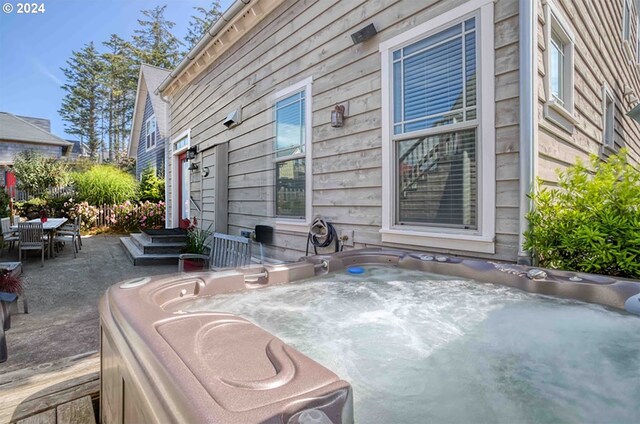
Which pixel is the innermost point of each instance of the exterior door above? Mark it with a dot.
(183, 190)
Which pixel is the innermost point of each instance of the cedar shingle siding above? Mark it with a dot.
(155, 156)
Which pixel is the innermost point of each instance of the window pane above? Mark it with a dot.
(437, 180)
(435, 80)
(556, 67)
(290, 188)
(290, 133)
(609, 122)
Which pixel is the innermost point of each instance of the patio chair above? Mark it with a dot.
(5, 322)
(75, 227)
(8, 235)
(226, 251)
(63, 236)
(31, 238)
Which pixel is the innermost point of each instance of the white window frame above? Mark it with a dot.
(628, 9)
(292, 224)
(175, 163)
(559, 112)
(147, 135)
(482, 239)
(606, 96)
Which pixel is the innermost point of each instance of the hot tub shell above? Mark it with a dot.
(160, 364)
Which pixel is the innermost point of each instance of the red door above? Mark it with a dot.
(183, 190)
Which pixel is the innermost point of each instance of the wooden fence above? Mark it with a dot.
(52, 192)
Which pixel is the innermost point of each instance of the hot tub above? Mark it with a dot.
(415, 335)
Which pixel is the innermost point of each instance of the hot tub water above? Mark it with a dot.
(420, 347)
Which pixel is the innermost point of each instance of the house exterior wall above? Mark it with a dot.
(309, 38)
(600, 58)
(154, 157)
(8, 150)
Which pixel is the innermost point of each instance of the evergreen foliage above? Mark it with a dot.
(151, 186)
(36, 173)
(201, 22)
(153, 41)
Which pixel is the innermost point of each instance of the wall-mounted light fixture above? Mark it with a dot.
(337, 116)
(364, 34)
(192, 152)
(205, 171)
(193, 167)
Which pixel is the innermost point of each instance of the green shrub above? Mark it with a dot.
(36, 173)
(30, 208)
(4, 203)
(151, 187)
(105, 184)
(592, 222)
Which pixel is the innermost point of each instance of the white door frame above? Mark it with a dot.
(175, 164)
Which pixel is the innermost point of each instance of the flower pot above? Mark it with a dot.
(193, 265)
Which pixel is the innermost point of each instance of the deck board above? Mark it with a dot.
(34, 391)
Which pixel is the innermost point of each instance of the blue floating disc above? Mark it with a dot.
(355, 270)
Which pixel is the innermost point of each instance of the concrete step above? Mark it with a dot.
(171, 235)
(138, 257)
(149, 247)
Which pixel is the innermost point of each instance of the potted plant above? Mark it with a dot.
(10, 283)
(197, 239)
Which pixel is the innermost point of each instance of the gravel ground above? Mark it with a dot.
(63, 301)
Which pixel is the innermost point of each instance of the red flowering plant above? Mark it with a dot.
(10, 283)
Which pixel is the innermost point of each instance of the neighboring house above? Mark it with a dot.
(22, 133)
(451, 111)
(79, 149)
(149, 128)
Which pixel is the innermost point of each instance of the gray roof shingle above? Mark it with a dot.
(16, 129)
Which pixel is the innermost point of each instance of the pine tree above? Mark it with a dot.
(81, 105)
(153, 41)
(201, 22)
(119, 80)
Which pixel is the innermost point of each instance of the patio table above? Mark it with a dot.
(49, 227)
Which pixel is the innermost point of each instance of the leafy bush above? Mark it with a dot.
(4, 204)
(130, 217)
(592, 222)
(30, 208)
(151, 187)
(105, 184)
(36, 173)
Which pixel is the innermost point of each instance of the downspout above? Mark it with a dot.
(528, 20)
(167, 161)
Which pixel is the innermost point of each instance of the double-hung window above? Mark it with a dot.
(559, 52)
(292, 152)
(151, 132)
(438, 160)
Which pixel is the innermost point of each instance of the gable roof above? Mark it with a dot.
(17, 129)
(149, 80)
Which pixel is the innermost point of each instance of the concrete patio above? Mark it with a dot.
(63, 297)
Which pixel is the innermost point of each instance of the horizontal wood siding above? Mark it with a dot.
(310, 38)
(155, 157)
(9, 150)
(599, 58)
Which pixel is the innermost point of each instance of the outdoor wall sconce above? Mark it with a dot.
(193, 167)
(337, 116)
(192, 152)
(364, 34)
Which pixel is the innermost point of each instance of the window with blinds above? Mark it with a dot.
(290, 141)
(435, 128)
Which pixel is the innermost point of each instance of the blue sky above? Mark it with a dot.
(34, 47)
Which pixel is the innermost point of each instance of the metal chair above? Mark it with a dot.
(226, 251)
(8, 235)
(31, 238)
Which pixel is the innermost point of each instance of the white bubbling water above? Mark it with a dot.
(420, 347)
